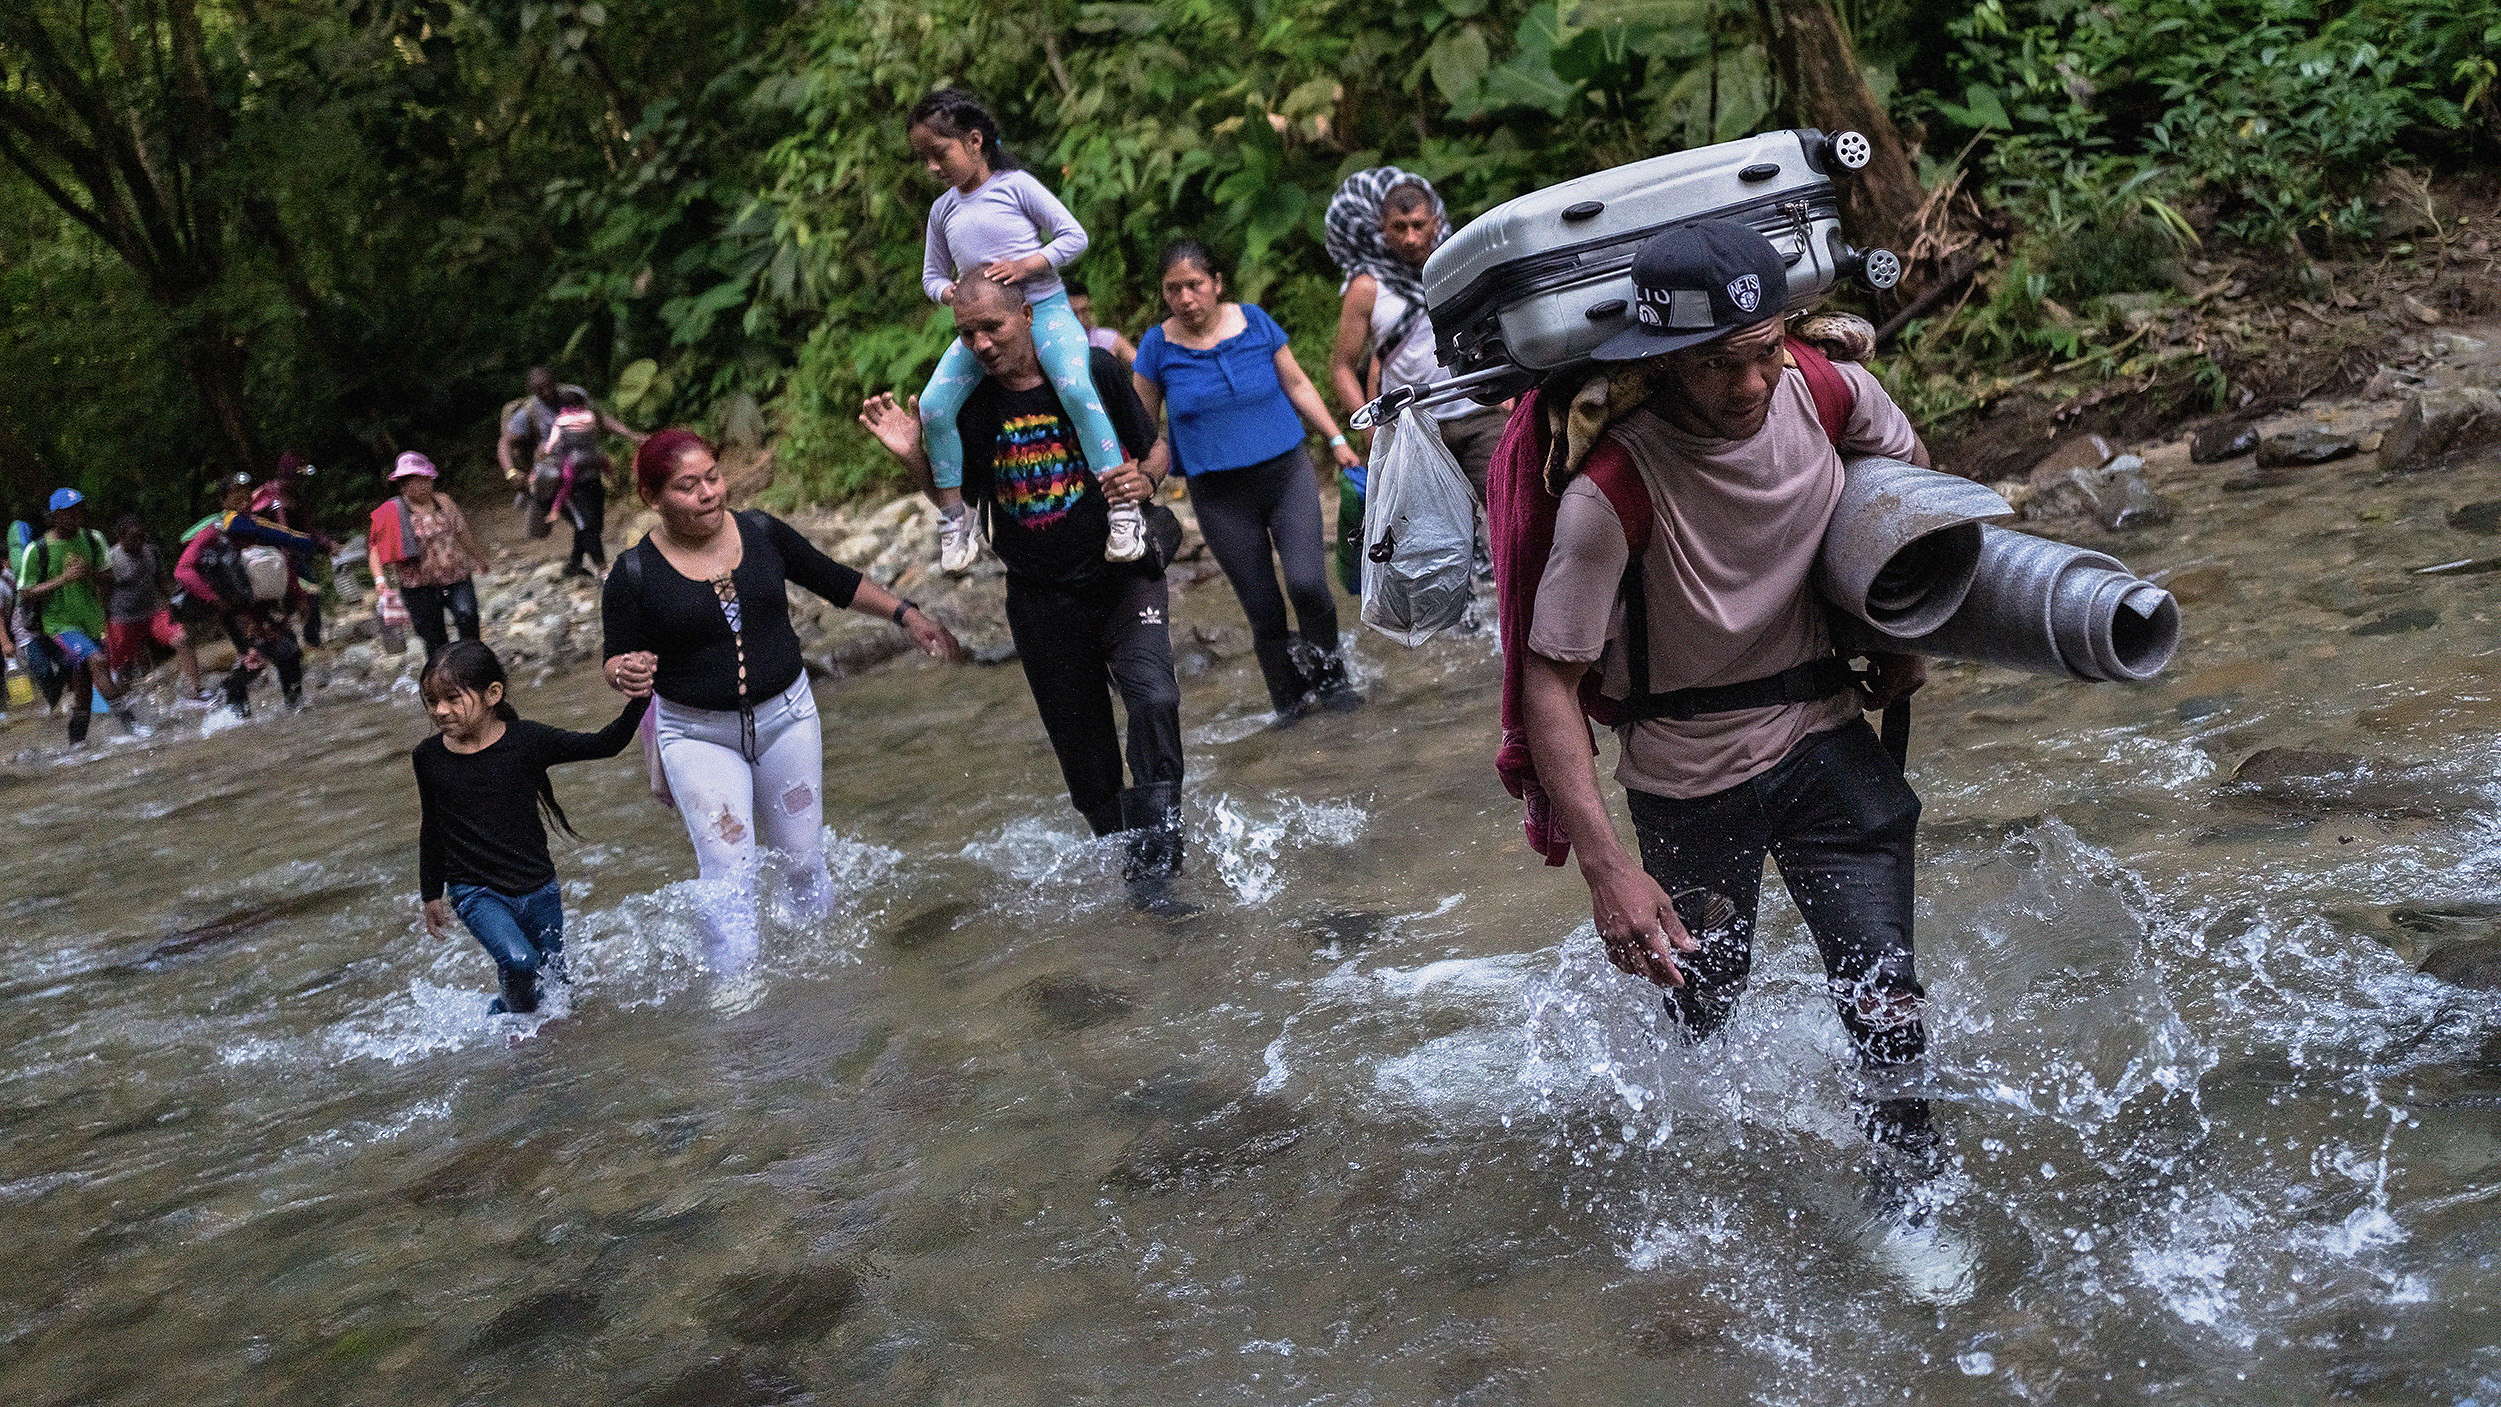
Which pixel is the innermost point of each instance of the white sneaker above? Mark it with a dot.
(957, 547)
(1128, 538)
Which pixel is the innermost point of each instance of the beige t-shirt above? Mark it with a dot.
(1728, 573)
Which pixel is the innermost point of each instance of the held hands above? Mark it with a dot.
(1639, 926)
(438, 917)
(897, 425)
(630, 674)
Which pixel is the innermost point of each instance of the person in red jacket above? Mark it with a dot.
(213, 568)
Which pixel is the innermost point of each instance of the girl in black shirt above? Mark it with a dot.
(481, 848)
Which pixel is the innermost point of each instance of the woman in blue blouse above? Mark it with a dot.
(1235, 403)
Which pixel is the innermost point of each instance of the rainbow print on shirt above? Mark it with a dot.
(1038, 473)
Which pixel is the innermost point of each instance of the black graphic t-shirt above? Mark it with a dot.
(1024, 467)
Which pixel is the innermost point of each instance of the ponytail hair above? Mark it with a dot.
(952, 112)
(656, 459)
(467, 667)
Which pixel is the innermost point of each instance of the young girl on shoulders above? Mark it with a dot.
(481, 786)
(996, 222)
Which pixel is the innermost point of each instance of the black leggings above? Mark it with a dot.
(1079, 646)
(1242, 513)
(586, 510)
(1841, 823)
(427, 606)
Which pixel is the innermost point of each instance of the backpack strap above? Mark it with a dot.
(1611, 469)
(1834, 398)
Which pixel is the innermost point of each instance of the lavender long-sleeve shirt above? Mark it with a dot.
(1006, 217)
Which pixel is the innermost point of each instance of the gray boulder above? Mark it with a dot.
(2438, 422)
(2309, 444)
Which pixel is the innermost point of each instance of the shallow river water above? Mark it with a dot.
(1377, 1124)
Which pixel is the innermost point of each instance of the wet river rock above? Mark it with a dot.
(2473, 962)
(2309, 444)
(2438, 422)
(767, 1307)
(2306, 781)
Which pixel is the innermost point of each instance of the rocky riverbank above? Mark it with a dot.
(541, 621)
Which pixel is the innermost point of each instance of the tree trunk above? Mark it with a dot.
(1825, 88)
(215, 362)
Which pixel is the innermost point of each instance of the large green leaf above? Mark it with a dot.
(1458, 61)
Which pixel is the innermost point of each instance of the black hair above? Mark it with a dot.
(1405, 196)
(123, 524)
(467, 667)
(952, 112)
(1189, 251)
(573, 398)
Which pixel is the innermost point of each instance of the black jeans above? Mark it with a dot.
(1243, 513)
(256, 628)
(1841, 823)
(1079, 646)
(427, 606)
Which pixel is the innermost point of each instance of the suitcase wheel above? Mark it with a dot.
(1852, 150)
(1882, 269)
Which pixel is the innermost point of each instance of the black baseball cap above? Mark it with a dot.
(1696, 282)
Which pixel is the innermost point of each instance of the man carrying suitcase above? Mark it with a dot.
(1747, 738)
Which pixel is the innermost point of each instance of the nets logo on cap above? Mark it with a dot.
(1746, 292)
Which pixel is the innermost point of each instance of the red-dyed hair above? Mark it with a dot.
(656, 460)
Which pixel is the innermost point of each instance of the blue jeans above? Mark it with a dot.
(522, 932)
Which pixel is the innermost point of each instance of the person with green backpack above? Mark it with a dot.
(57, 578)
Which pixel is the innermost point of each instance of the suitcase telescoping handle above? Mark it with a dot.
(1384, 408)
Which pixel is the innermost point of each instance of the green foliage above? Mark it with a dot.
(1208, 118)
(2277, 113)
(363, 222)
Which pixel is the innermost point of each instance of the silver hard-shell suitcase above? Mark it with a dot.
(1538, 282)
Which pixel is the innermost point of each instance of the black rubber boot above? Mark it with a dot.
(1152, 817)
(1288, 685)
(1331, 689)
(78, 720)
(520, 991)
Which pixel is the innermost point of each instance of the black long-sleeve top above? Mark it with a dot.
(650, 605)
(478, 811)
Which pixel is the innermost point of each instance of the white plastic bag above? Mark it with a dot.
(1419, 534)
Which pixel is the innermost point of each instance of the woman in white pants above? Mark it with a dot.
(698, 614)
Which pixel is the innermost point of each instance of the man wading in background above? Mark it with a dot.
(1084, 627)
(525, 441)
(1750, 740)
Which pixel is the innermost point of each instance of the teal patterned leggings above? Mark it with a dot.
(1061, 343)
